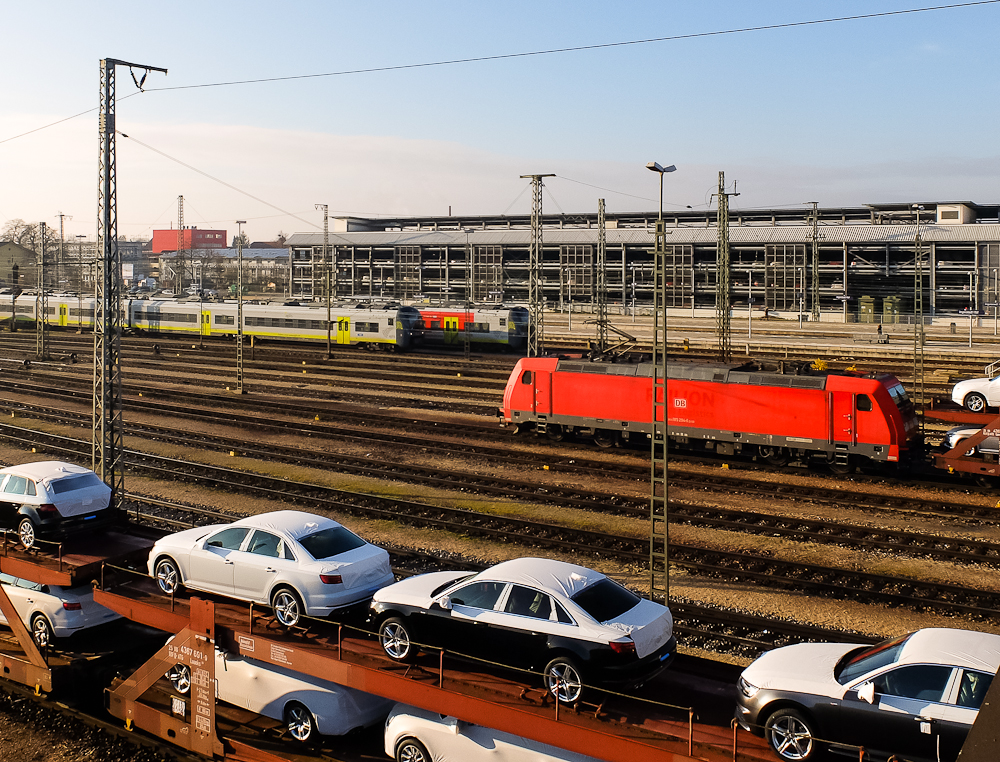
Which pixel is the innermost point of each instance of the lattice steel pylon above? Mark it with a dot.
(536, 273)
(815, 262)
(107, 443)
(659, 491)
(179, 254)
(723, 306)
(239, 307)
(41, 303)
(918, 319)
(601, 291)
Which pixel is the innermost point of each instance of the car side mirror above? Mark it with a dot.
(444, 602)
(454, 725)
(866, 692)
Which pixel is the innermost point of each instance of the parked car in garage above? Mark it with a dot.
(915, 696)
(307, 705)
(52, 499)
(417, 735)
(51, 611)
(572, 624)
(977, 394)
(298, 563)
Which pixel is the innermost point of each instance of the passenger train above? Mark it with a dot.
(378, 326)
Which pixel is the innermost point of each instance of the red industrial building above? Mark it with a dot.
(192, 239)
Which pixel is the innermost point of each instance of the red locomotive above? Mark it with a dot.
(839, 417)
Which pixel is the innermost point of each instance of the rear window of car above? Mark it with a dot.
(330, 542)
(606, 600)
(71, 483)
(865, 660)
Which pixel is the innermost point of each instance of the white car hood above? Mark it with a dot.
(650, 625)
(187, 538)
(416, 591)
(360, 567)
(805, 668)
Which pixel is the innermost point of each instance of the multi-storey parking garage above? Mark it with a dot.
(781, 259)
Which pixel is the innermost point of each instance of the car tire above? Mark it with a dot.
(300, 722)
(168, 576)
(975, 402)
(287, 606)
(791, 735)
(396, 637)
(41, 631)
(180, 677)
(26, 532)
(411, 750)
(562, 678)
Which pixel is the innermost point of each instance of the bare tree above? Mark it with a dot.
(26, 234)
(241, 238)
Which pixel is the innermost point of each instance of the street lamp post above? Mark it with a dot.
(239, 306)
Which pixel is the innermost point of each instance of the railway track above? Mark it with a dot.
(739, 567)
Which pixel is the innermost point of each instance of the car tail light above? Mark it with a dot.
(331, 579)
(47, 511)
(72, 606)
(623, 646)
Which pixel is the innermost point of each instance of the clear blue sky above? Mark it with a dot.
(897, 108)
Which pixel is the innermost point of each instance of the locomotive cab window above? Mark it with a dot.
(864, 402)
(526, 377)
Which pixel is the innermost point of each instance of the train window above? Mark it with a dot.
(436, 325)
(864, 402)
(225, 320)
(390, 322)
(366, 327)
(526, 377)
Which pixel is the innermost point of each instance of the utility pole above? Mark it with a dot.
(108, 429)
(815, 261)
(61, 262)
(326, 273)
(239, 307)
(723, 298)
(469, 280)
(918, 318)
(179, 259)
(602, 283)
(41, 302)
(536, 271)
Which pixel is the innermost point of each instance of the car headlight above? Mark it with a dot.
(747, 689)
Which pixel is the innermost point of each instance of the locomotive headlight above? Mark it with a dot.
(747, 689)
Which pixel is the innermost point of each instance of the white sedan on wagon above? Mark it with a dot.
(298, 563)
(307, 705)
(51, 611)
(977, 394)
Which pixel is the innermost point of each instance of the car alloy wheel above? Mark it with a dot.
(411, 750)
(26, 532)
(791, 736)
(180, 677)
(394, 635)
(167, 576)
(975, 402)
(41, 631)
(299, 721)
(562, 680)
(287, 607)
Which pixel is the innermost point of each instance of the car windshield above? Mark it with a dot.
(862, 661)
(330, 542)
(71, 483)
(441, 588)
(606, 600)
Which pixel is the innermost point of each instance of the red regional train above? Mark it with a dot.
(842, 418)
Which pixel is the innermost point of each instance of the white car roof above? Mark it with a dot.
(295, 524)
(46, 469)
(962, 648)
(556, 576)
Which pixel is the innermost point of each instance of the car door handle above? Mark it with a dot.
(269, 569)
(227, 561)
(29, 600)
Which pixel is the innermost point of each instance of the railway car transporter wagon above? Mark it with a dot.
(841, 418)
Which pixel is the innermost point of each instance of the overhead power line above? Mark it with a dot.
(528, 54)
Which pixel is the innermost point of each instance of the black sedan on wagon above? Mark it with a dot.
(572, 624)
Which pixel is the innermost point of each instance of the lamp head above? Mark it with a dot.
(655, 167)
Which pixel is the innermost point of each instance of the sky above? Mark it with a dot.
(894, 108)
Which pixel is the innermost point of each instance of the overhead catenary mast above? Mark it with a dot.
(536, 271)
(107, 442)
